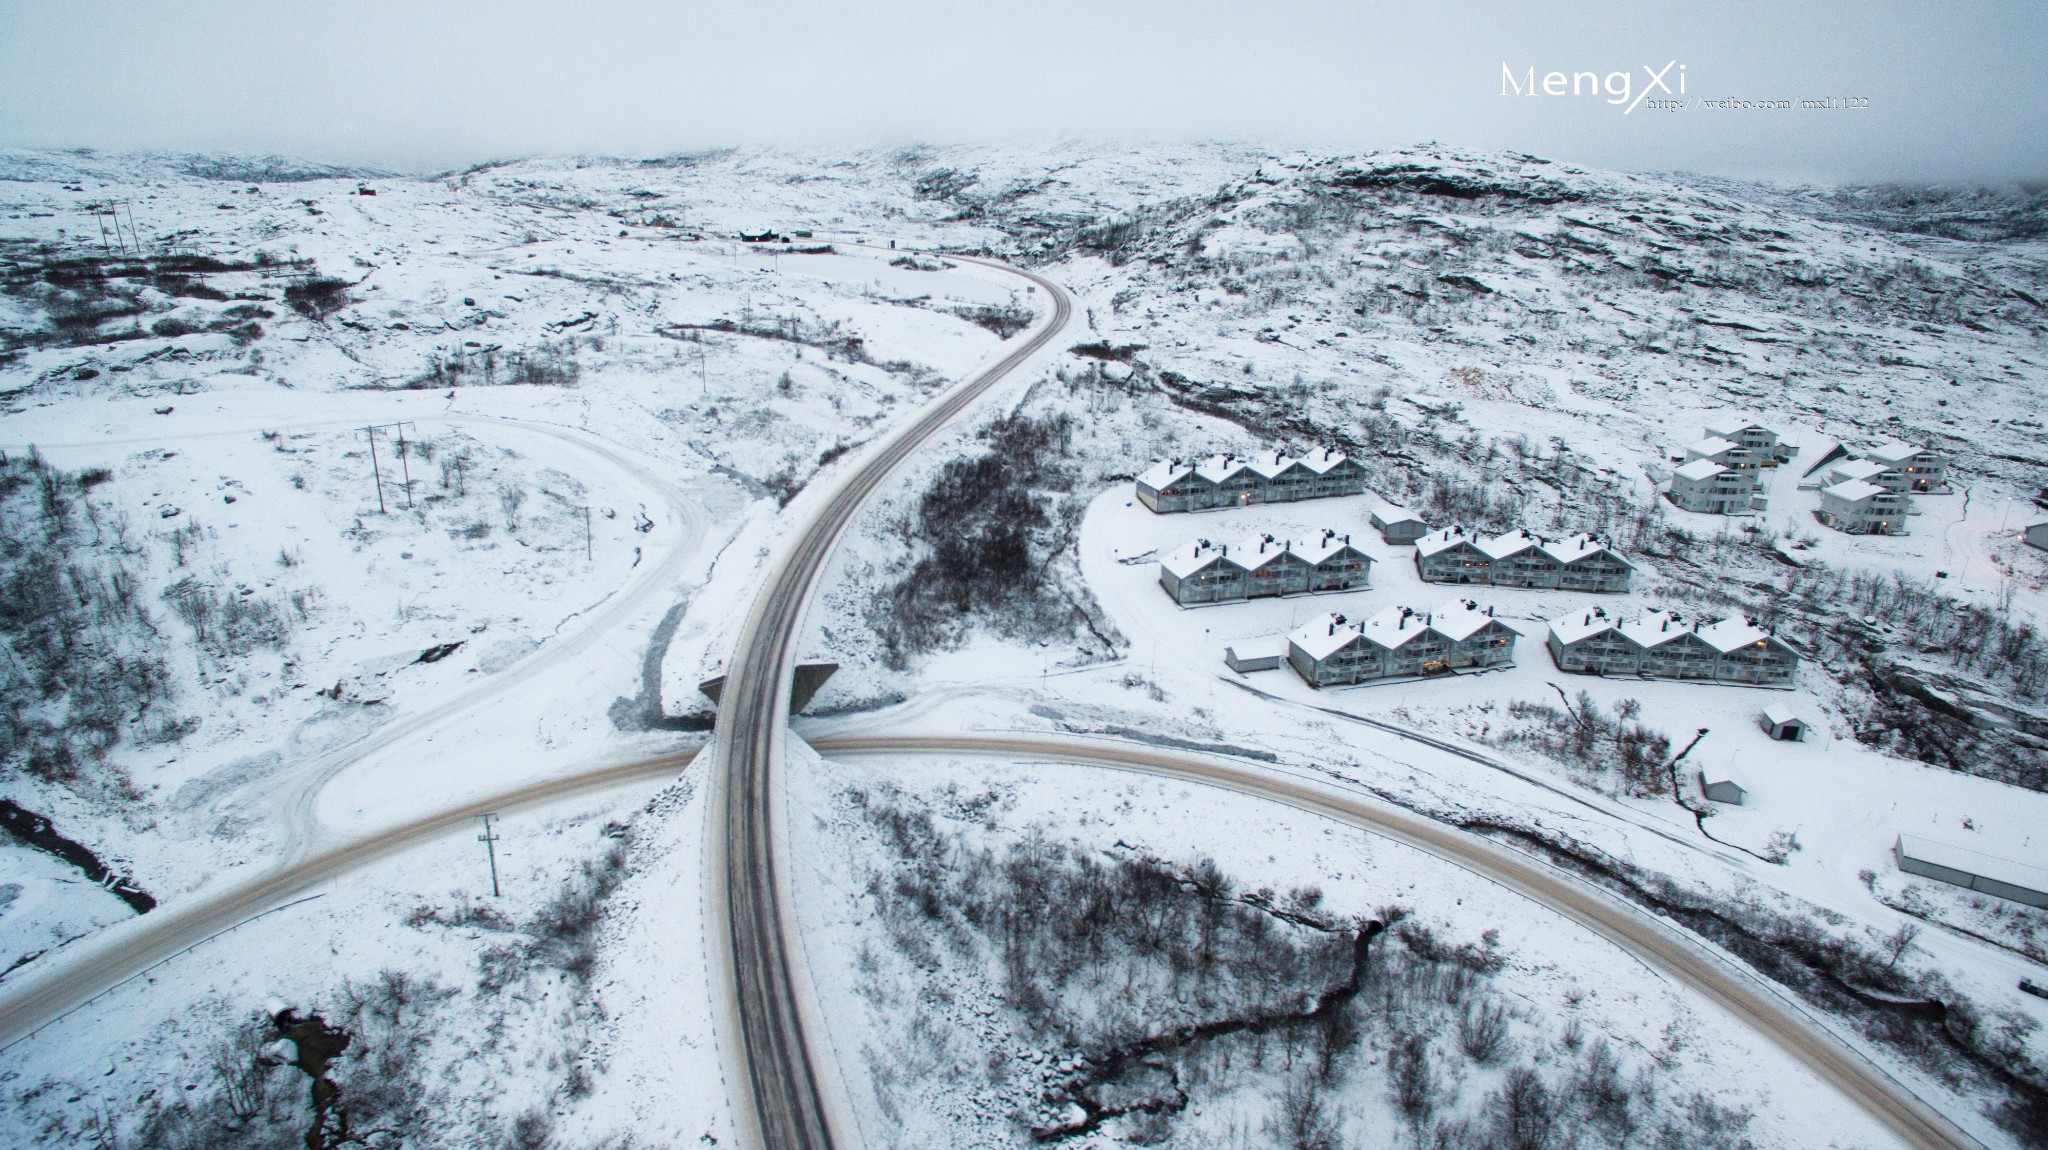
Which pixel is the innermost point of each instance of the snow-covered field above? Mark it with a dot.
(1502, 340)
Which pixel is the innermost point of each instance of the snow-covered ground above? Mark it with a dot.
(1503, 340)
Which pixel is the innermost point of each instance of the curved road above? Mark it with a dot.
(782, 1084)
(1748, 998)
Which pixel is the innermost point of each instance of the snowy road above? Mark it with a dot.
(788, 1095)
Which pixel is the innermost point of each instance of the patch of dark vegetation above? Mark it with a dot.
(983, 536)
(549, 363)
(830, 337)
(86, 663)
(1151, 984)
(316, 297)
(1433, 181)
(1915, 1011)
(1111, 352)
(1615, 750)
(80, 296)
(562, 935)
(1005, 320)
(39, 833)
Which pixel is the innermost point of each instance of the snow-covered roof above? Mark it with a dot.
(1733, 424)
(1713, 445)
(1324, 635)
(1654, 628)
(1255, 551)
(1442, 540)
(1317, 548)
(1573, 548)
(1459, 619)
(1389, 515)
(2012, 873)
(1511, 543)
(1195, 557)
(1854, 491)
(1165, 472)
(1271, 463)
(1581, 625)
(1733, 634)
(1218, 468)
(1780, 714)
(1894, 452)
(1322, 459)
(1700, 470)
(1394, 627)
(1864, 469)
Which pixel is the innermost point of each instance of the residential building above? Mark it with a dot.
(1175, 485)
(1923, 468)
(1661, 645)
(1591, 642)
(1521, 558)
(1398, 525)
(1452, 555)
(1399, 642)
(1519, 561)
(1261, 567)
(1760, 441)
(1862, 508)
(1866, 471)
(1725, 452)
(1713, 488)
(1749, 654)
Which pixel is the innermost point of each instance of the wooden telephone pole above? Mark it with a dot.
(490, 842)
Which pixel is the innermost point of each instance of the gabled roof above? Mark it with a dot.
(1255, 551)
(1581, 625)
(1444, 540)
(1733, 424)
(1713, 445)
(1390, 515)
(1459, 619)
(1854, 491)
(1194, 558)
(1894, 452)
(1865, 469)
(1394, 628)
(1165, 472)
(1573, 548)
(1700, 470)
(1218, 468)
(1655, 628)
(1511, 543)
(1779, 714)
(1734, 633)
(1325, 635)
(1322, 459)
(1271, 463)
(1318, 548)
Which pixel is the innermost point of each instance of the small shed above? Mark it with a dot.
(1780, 723)
(1974, 870)
(1398, 525)
(1255, 655)
(1723, 791)
(2037, 536)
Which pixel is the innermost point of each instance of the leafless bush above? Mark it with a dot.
(1483, 1030)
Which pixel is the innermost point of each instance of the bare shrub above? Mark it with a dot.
(1483, 1030)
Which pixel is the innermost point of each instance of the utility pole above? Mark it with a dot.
(490, 842)
(587, 552)
(403, 465)
(375, 474)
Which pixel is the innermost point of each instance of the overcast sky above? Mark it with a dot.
(1955, 90)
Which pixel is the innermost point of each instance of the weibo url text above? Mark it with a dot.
(1734, 104)
(1656, 90)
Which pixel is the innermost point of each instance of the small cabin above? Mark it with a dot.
(1722, 791)
(1778, 721)
(1396, 525)
(1255, 655)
